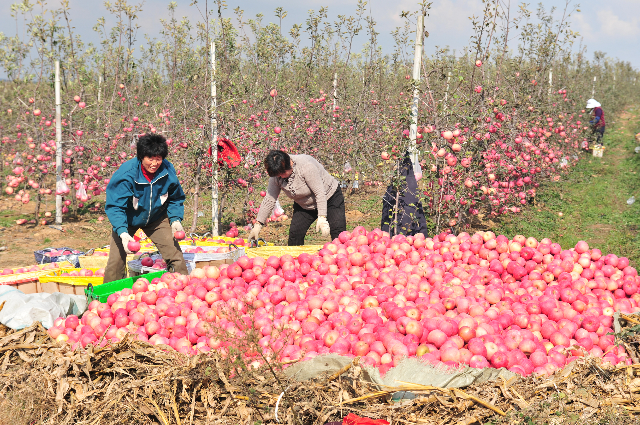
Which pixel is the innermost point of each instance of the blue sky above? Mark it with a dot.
(612, 26)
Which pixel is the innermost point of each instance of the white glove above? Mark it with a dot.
(176, 226)
(322, 226)
(126, 238)
(255, 232)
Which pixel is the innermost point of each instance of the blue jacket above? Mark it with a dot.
(134, 202)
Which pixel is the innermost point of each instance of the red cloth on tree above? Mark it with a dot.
(146, 174)
(352, 419)
(227, 152)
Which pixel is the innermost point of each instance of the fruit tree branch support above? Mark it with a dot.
(58, 144)
(214, 144)
(417, 60)
(335, 91)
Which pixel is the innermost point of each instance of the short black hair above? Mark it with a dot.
(277, 162)
(152, 145)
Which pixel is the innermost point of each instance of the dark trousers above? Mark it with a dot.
(161, 235)
(598, 133)
(302, 219)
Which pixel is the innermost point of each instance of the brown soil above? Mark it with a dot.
(363, 207)
(20, 242)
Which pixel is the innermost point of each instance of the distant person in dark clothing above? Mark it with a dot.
(597, 120)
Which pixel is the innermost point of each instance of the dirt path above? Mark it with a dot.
(21, 241)
(363, 208)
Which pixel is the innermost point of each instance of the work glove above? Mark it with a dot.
(322, 226)
(255, 232)
(126, 238)
(176, 226)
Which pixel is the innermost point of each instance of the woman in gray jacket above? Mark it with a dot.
(316, 195)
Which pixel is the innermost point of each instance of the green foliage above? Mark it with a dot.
(592, 199)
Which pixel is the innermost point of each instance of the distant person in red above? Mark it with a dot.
(597, 120)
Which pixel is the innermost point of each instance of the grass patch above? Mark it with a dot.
(8, 218)
(592, 199)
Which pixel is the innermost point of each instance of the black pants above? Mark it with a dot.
(598, 133)
(302, 219)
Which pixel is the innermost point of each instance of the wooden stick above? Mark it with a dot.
(175, 411)
(24, 347)
(193, 403)
(630, 319)
(343, 370)
(518, 394)
(365, 397)
(482, 402)
(160, 415)
(422, 387)
(391, 390)
(464, 395)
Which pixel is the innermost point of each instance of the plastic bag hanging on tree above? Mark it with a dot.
(250, 159)
(415, 162)
(277, 210)
(17, 160)
(347, 167)
(227, 153)
(417, 170)
(61, 188)
(355, 182)
(81, 193)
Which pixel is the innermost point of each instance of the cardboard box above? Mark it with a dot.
(51, 287)
(217, 263)
(29, 287)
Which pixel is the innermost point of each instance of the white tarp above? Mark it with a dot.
(21, 310)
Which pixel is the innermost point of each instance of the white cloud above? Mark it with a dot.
(614, 27)
(582, 25)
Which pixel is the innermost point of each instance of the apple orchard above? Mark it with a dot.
(494, 122)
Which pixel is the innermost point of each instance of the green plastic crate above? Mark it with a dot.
(102, 292)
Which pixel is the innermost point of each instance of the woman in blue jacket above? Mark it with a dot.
(145, 193)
